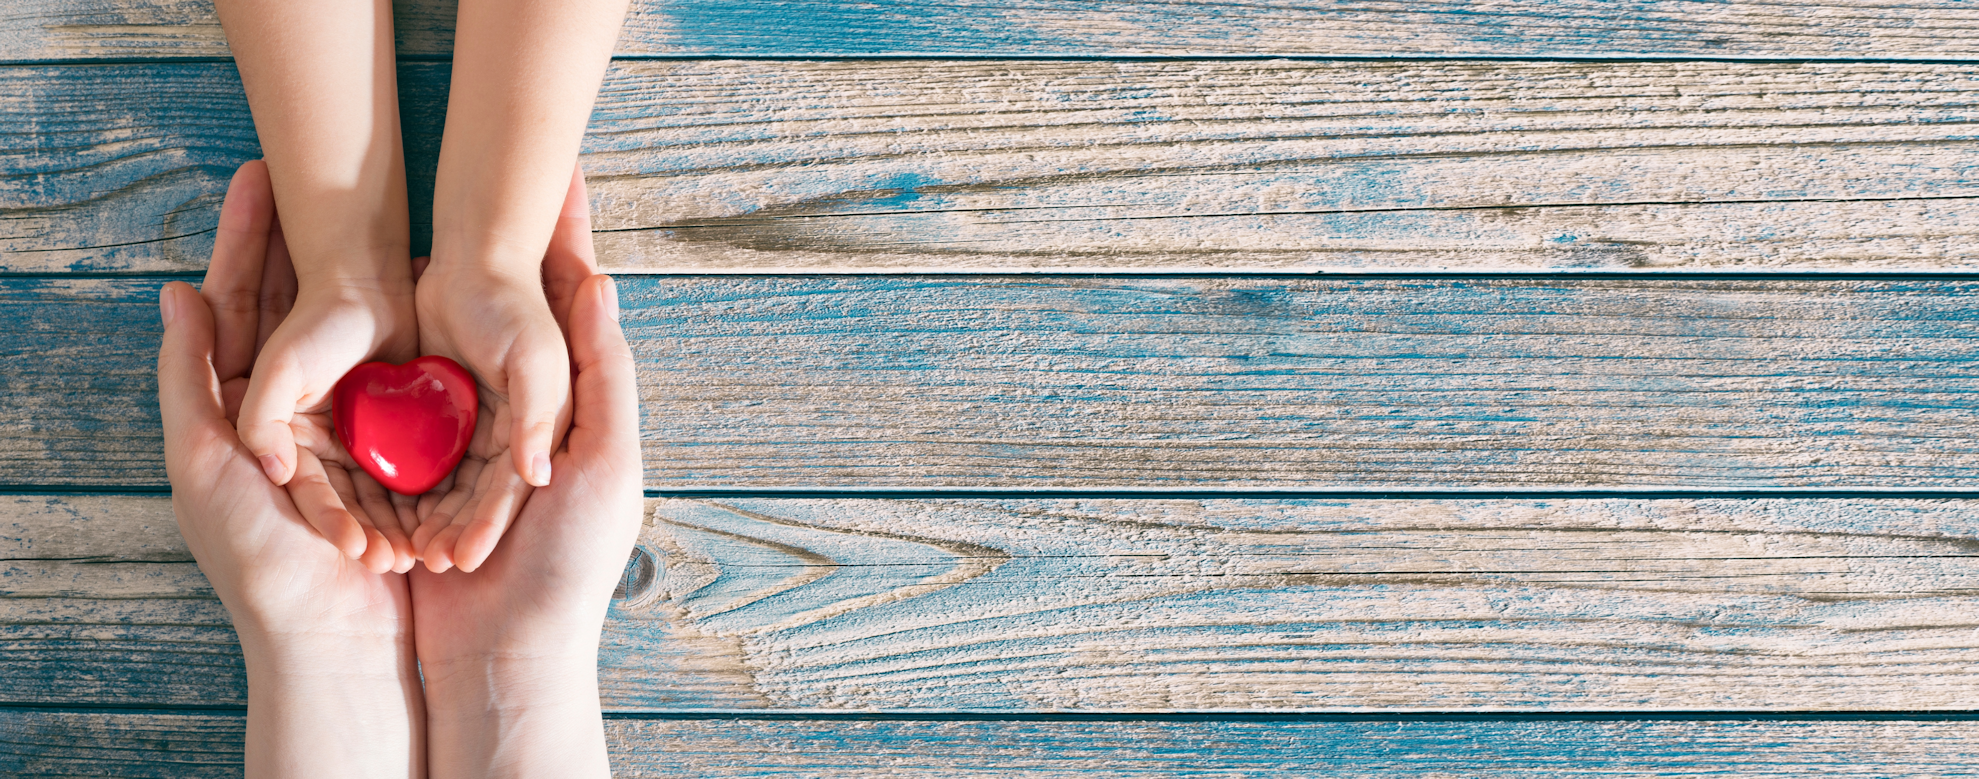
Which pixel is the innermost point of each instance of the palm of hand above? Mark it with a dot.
(258, 551)
(549, 581)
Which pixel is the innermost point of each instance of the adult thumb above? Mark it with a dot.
(188, 390)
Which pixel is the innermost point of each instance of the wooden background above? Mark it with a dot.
(1136, 387)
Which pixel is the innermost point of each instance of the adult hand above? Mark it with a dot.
(510, 650)
(333, 689)
(504, 330)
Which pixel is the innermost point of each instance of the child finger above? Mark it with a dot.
(439, 552)
(451, 505)
(407, 509)
(266, 411)
(377, 556)
(539, 402)
(497, 510)
(377, 503)
(317, 499)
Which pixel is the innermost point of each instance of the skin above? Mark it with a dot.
(321, 84)
(333, 689)
(508, 653)
(320, 80)
(525, 75)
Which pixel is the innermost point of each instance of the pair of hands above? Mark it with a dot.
(541, 595)
(503, 328)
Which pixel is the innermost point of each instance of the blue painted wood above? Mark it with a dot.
(918, 382)
(780, 167)
(82, 29)
(177, 745)
(1139, 605)
(122, 167)
(1377, 750)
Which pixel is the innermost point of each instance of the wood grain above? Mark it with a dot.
(121, 168)
(919, 382)
(1936, 29)
(894, 166)
(779, 167)
(1116, 605)
(176, 746)
(101, 603)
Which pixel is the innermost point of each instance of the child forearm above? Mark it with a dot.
(525, 75)
(320, 80)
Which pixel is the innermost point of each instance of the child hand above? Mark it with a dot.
(252, 285)
(312, 332)
(250, 537)
(502, 329)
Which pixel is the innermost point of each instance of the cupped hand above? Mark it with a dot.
(297, 353)
(545, 589)
(250, 536)
(504, 329)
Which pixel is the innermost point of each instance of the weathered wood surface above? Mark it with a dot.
(185, 746)
(781, 167)
(1935, 29)
(918, 382)
(1142, 605)
(121, 168)
(778, 167)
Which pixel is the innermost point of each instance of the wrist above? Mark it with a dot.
(488, 254)
(356, 652)
(387, 300)
(515, 716)
(503, 679)
(332, 704)
(384, 268)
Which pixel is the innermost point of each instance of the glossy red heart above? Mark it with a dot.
(407, 425)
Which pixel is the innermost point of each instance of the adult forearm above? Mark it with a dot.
(515, 717)
(525, 75)
(320, 80)
(333, 706)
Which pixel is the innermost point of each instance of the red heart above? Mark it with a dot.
(407, 425)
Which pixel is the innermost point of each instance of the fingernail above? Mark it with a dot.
(611, 297)
(273, 467)
(168, 309)
(539, 470)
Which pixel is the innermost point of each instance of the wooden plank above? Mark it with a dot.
(177, 745)
(1935, 29)
(101, 603)
(1113, 605)
(918, 382)
(896, 166)
(779, 167)
(98, 173)
(89, 30)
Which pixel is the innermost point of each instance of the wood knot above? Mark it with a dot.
(635, 585)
